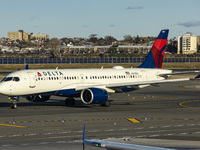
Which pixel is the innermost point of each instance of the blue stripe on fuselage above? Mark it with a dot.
(66, 92)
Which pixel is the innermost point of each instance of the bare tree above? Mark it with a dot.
(93, 38)
(109, 40)
(128, 38)
(53, 44)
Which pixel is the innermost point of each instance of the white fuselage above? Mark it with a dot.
(32, 82)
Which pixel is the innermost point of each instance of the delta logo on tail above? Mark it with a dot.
(155, 57)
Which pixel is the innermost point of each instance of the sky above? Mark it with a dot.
(117, 18)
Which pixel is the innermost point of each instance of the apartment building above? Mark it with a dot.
(20, 35)
(39, 37)
(188, 44)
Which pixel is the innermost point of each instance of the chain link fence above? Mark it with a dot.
(92, 60)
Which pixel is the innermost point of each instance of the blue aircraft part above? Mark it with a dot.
(149, 62)
(16, 97)
(94, 96)
(68, 93)
(155, 57)
(128, 89)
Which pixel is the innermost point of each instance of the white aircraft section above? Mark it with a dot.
(44, 81)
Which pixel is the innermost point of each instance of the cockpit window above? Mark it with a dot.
(10, 79)
(16, 79)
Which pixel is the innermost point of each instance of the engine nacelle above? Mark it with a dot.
(37, 98)
(94, 96)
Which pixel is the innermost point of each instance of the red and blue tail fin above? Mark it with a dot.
(155, 57)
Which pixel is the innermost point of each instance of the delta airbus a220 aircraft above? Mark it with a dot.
(92, 85)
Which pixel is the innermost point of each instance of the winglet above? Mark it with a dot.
(26, 67)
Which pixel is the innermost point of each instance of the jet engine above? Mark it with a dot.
(38, 98)
(94, 96)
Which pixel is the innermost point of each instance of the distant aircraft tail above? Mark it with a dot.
(155, 57)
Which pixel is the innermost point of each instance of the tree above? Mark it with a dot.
(128, 38)
(93, 38)
(109, 40)
(53, 44)
(23, 44)
(137, 39)
(172, 45)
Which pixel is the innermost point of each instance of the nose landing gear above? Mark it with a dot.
(14, 101)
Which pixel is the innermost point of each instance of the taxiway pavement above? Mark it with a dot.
(168, 115)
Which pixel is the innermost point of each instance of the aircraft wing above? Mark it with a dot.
(110, 87)
(121, 146)
(118, 146)
(114, 85)
(178, 72)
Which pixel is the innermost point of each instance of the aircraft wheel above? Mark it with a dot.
(13, 106)
(14, 103)
(106, 104)
(70, 102)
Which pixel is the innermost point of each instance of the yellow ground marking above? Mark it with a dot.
(182, 104)
(9, 125)
(181, 86)
(134, 120)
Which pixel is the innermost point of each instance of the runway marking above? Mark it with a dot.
(55, 121)
(8, 125)
(110, 138)
(182, 104)
(98, 119)
(133, 120)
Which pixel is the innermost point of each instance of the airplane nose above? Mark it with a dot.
(1, 89)
(4, 90)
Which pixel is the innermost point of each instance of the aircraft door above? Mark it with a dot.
(32, 81)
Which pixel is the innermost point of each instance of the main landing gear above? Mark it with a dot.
(14, 101)
(106, 104)
(70, 102)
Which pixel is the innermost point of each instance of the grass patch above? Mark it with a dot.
(15, 67)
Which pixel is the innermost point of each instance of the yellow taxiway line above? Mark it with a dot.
(133, 120)
(183, 104)
(9, 125)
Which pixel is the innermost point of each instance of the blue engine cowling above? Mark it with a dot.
(94, 96)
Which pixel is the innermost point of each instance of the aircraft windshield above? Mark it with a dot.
(6, 79)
